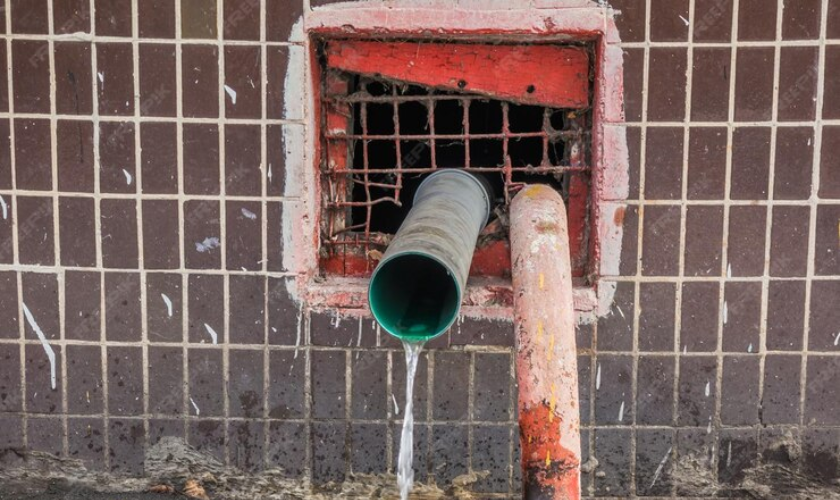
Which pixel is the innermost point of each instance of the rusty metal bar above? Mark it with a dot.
(546, 369)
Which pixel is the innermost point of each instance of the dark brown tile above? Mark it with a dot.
(739, 390)
(276, 159)
(476, 331)
(630, 242)
(369, 394)
(669, 20)
(366, 444)
(161, 240)
(707, 150)
(8, 305)
(247, 309)
(277, 61)
(113, 17)
(45, 435)
(613, 390)
(159, 157)
(166, 385)
(242, 19)
(158, 91)
(630, 19)
(634, 147)
(491, 453)
(245, 383)
(84, 379)
(82, 307)
(754, 84)
(7, 231)
(126, 441)
(11, 431)
(246, 440)
(86, 442)
(713, 21)
(274, 249)
(741, 317)
(737, 452)
(40, 296)
(634, 70)
(492, 392)
(286, 392)
(206, 308)
(115, 72)
(77, 231)
(201, 234)
(450, 392)
(336, 330)
(821, 396)
(794, 163)
(698, 446)
(200, 66)
(33, 155)
(789, 241)
(201, 158)
(750, 163)
(243, 79)
(698, 330)
(798, 77)
(198, 19)
(666, 84)
(612, 447)
(208, 436)
(11, 396)
(280, 17)
(41, 396)
(243, 159)
(656, 316)
(287, 443)
(821, 453)
(801, 19)
(450, 444)
(5, 154)
(119, 233)
(71, 16)
(205, 382)
(74, 148)
(4, 80)
(785, 315)
(328, 441)
(285, 322)
(827, 256)
(704, 233)
(29, 16)
(615, 328)
(747, 232)
(160, 428)
(654, 449)
(752, 27)
(116, 158)
(663, 169)
(655, 392)
(244, 235)
(660, 250)
(830, 164)
(328, 384)
(710, 84)
(825, 316)
(780, 398)
(73, 81)
(35, 230)
(123, 319)
(697, 391)
(833, 28)
(831, 95)
(3, 21)
(164, 307)
(156, 18)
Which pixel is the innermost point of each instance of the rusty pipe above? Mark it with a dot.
(546, 364)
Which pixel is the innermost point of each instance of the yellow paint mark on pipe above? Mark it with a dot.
(547, 458)
(542, 281)
(552, 403)
(550, 347)
(539, 330)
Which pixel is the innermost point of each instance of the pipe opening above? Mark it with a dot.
(414, 297)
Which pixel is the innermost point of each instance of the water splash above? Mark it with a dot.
(405, 470)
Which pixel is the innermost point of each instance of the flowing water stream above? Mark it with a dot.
(405, 469)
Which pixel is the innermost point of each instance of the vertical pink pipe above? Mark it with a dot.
(546, 364)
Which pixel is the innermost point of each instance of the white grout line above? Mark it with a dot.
(264, 235)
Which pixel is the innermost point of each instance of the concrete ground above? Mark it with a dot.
(89, 496)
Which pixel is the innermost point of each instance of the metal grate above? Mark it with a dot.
(383, 137)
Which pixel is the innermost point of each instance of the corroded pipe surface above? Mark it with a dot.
(546, 364)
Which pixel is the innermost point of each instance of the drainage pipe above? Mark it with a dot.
(546, 364)
(416, 290)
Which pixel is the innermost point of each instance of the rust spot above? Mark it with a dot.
(619, 216)
(549, 470)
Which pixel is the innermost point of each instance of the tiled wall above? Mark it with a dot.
(140, 222)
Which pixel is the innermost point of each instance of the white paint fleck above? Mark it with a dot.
(231, 93)
(709, 427)
(213, 335)
(837, 339)
(197, 410)
(729, 270)
(729, 455)
(621, 412)
(708, 388)
(725, 312)
(43, 338)
(396, 406)
(101, 76)
(750, 348)
(270, 175)
(621, 312)
(297, 334)
(128, 177)
(685, 349)
(5, 208)
(208, 244)
(598, 378)
(685, 20)
(168, 303)
(661, 466)
(249, 214)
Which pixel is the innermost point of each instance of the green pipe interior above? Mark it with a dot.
(414, 297)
